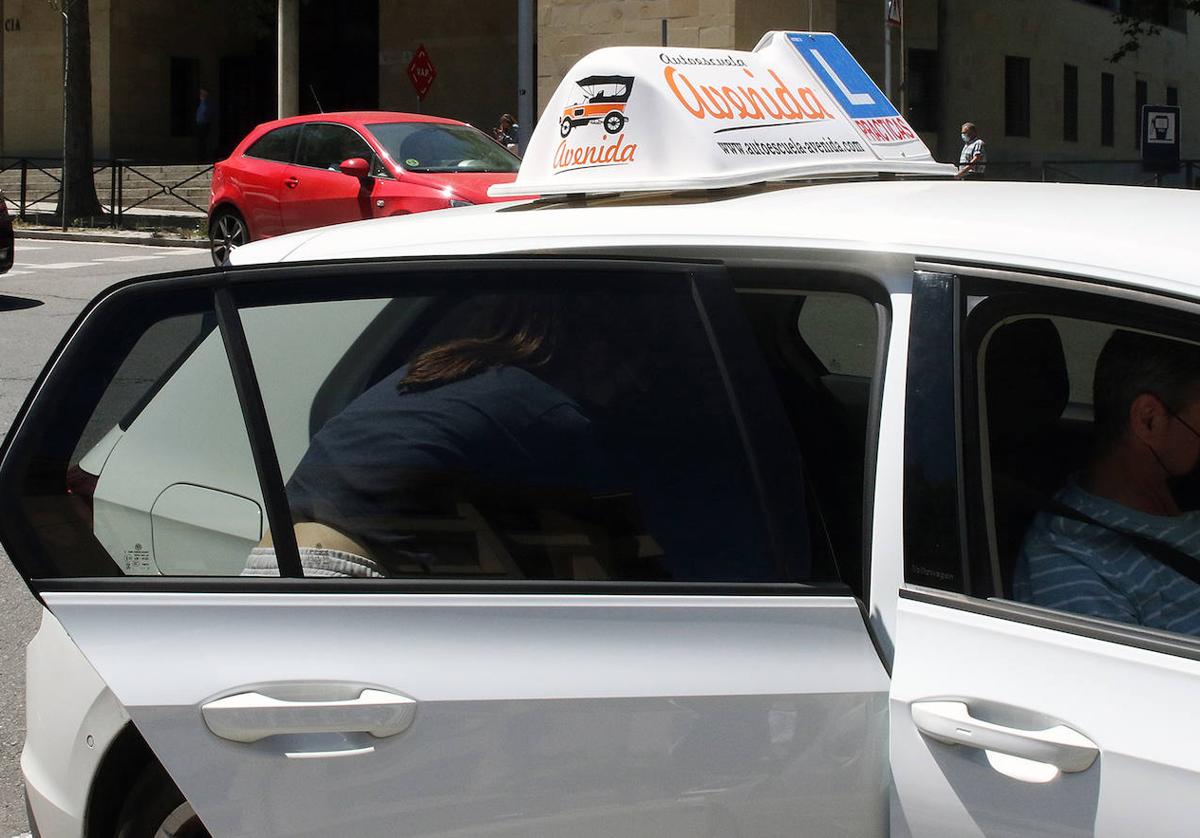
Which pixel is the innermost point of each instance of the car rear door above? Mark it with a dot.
(1008, 718)
(654, 649)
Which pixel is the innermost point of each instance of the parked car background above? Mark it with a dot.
(7, 243)
(314, 170)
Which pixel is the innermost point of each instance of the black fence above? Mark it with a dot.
(1117, 172)
(113, 174)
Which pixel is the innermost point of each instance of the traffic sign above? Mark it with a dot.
(421, 72)
(1160, 136)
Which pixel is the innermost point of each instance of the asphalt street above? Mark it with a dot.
(40, 298)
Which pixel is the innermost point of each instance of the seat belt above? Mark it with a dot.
(1185, 565)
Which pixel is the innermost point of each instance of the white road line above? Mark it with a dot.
(25, 247)
(13, 273)
(60, 266)
(129, 258)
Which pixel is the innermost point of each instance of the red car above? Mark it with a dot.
(308, 171)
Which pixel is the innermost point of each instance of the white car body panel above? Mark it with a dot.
(581, 715)
(1049, 227)
(71, 717)
(1138, 706)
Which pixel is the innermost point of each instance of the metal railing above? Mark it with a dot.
(1115, 172)
(118, 171)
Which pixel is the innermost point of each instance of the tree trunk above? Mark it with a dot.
(77, 169)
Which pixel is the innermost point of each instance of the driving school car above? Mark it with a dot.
(816, 379)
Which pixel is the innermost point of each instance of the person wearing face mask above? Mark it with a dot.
(1114, 543)
(972, 160)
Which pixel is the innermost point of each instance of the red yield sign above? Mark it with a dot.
(421, 72)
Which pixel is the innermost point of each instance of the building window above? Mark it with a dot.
(1070, 103)
(185, 76)
(1172, 95)
(1141, 95)
(1158, 12)
(1106, 109)
(923, 89)
(1016, 96)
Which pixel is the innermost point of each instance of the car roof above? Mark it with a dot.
(1136, 235)
(357, 118)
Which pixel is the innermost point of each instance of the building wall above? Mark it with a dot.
(570, 29)
(1051, 33)
(32, 94)
(473, 47)
(145, 37)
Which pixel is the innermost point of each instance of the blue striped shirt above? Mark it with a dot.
(1085, 569)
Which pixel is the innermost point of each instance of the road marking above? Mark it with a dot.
(61, 266)
(25, 247)
(129, 258)
(14, 273)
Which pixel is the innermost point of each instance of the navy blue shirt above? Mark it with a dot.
(386, 456)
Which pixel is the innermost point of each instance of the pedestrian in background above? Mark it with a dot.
(506, 132)
(972, 161)
(203, 126)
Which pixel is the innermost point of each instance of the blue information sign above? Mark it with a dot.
(842, 75)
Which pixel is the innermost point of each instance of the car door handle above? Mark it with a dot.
(291, 182)
(251, 716)
(951, 722)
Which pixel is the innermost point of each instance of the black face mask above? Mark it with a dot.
(1185, 488)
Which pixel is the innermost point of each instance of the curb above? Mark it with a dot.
(108, 238)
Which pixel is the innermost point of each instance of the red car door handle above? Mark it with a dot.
(291, 182)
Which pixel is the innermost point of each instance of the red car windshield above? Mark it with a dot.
(436, 147)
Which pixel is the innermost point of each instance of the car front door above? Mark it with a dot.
(625, 625)
(1009, 718)
(316, 193)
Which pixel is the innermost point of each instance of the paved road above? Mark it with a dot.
(40, 297)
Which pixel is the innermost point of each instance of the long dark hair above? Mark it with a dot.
(519, 331)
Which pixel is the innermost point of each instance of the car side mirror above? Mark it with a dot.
(355, 167)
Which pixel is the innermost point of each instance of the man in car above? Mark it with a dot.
(1115, 543)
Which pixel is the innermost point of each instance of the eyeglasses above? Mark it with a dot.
(1186, 424)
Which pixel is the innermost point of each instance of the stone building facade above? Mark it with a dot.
(1033, 74)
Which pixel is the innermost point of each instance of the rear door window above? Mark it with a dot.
(278, 145)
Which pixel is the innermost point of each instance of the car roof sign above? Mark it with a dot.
(650, 119)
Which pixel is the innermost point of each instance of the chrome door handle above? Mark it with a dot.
(951, 722)
(251, 716)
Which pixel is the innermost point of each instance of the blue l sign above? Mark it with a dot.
(842, 76)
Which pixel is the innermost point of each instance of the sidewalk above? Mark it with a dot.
(161, 228)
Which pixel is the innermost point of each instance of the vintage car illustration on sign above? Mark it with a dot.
(606, 100)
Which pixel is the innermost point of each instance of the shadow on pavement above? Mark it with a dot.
(17, 303)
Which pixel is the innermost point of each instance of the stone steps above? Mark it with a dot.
(136, 188)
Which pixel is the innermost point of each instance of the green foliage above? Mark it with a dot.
(1136, 26)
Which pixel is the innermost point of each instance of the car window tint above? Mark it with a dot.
(530, 434)
(325, 146)
(146, 469)
(278, 145)
(1065, 522)
(436, 147)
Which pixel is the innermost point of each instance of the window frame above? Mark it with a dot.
(1159, 311)
(375, 162)
(231, 289)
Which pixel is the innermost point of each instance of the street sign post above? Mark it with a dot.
(421, 72)
(1160, 137)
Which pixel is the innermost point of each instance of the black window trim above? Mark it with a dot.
(227, 286)
(375, 157)
(972, 277)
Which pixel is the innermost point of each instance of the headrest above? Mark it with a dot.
(1025, 378)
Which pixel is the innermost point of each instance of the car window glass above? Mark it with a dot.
(148, 470)
(1083, 512)
(325, 146)
(415, 443)
(840, 330)
(278, 145)
(437, 147)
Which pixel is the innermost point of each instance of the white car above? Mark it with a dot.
(744, 440)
